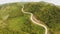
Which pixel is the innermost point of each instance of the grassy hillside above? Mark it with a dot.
(47, 13)
(13, 21)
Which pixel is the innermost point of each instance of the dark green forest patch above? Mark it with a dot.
(47, 13)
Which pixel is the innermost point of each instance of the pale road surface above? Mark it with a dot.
(46, 30)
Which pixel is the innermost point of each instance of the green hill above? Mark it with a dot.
(47, 13)
(13, 21)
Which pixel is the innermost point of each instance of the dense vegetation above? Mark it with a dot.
(13, 21)
(46, 12)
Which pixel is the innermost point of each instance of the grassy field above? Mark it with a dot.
(17, 22)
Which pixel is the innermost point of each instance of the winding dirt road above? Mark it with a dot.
(46, 30)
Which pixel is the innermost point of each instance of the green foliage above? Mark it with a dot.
(46, 12)
(17, 22)
(11, 9)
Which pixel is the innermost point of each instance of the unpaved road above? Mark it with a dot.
(35, 22)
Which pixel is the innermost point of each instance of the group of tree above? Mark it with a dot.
(45, 12)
